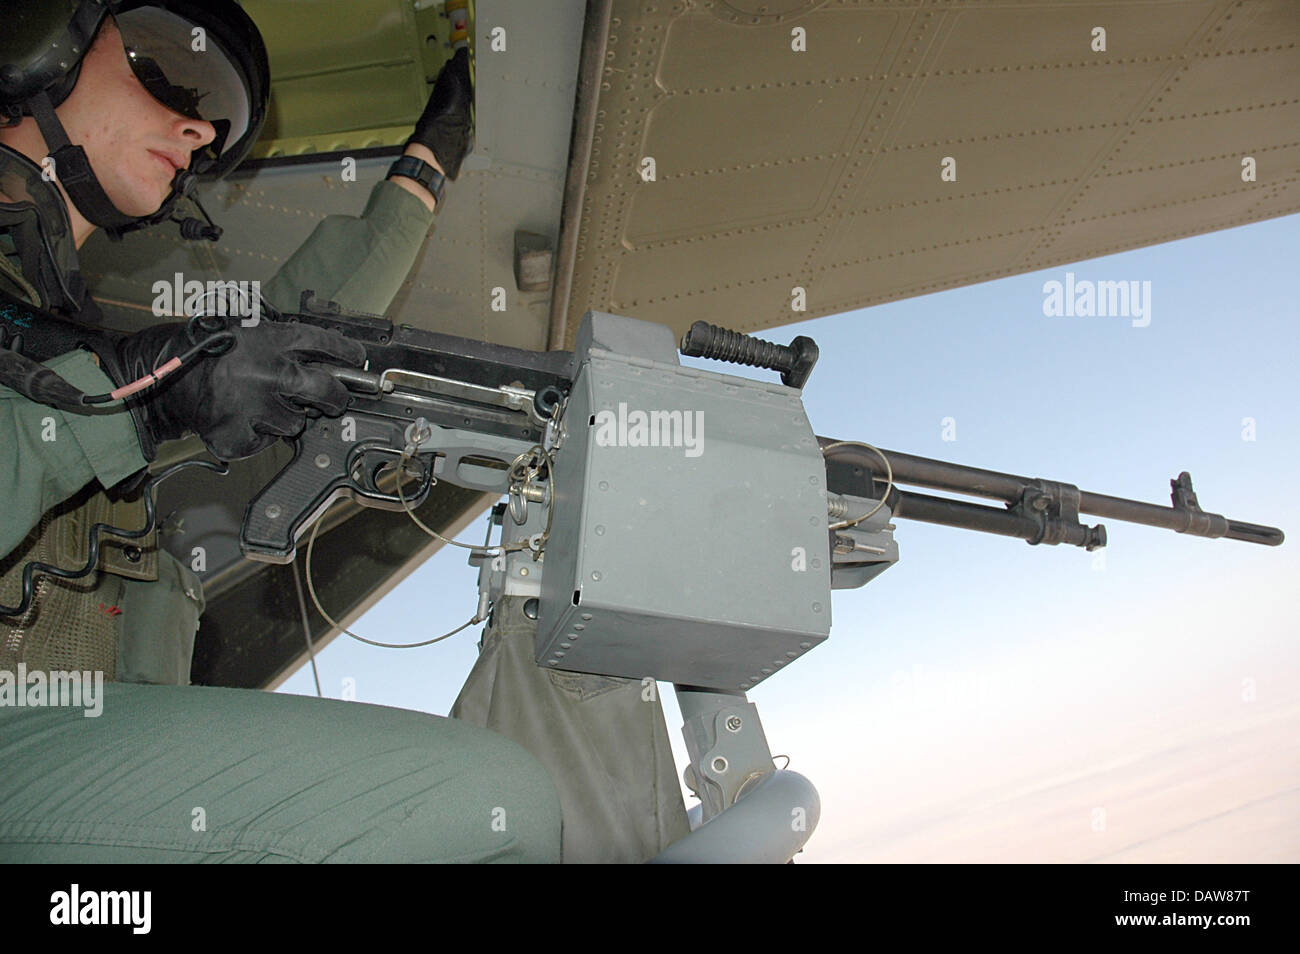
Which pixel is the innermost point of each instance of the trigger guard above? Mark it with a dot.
(364, 490)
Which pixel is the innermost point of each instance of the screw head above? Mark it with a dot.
(734, 723)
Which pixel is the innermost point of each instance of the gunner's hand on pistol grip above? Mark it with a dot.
(263, 388)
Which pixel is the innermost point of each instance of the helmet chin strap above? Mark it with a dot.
(78, 180)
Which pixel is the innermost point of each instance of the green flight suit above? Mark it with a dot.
(365, 782)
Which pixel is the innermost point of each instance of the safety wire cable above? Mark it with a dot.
(889, 481)
(311, 589)
(306, 627)
(535, 544)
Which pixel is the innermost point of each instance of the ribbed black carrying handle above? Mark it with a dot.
(795, 361)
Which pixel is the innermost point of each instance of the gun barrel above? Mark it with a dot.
(1254, 533)
(1039, 511)
(1196, 522)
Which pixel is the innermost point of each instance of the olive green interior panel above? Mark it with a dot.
(802, 143)
(347, 74)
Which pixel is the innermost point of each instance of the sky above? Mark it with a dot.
(985, 700)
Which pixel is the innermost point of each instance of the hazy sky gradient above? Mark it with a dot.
(987, 700)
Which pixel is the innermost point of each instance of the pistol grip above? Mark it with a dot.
(293, 500)
(331, 459)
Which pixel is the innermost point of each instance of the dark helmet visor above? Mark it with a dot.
(186, 68)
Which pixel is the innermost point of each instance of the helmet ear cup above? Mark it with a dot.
(12, 114)
(42, 45)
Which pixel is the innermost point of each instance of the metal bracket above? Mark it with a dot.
(1055, 507)
(727, 746)
(749, 812)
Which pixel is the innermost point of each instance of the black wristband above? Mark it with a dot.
(422, 172)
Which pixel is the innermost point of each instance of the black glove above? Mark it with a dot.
(445, 125)
(241, 401)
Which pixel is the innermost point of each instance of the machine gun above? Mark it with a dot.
(661, 521)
